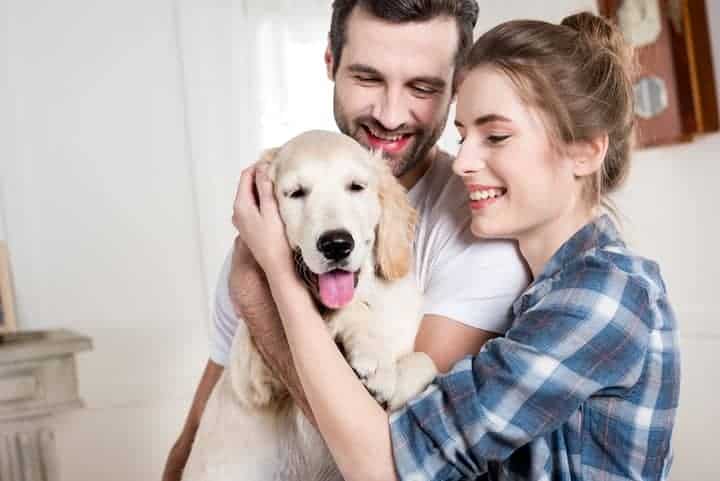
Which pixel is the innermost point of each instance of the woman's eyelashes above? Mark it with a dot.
(497, 139)
(491, 139)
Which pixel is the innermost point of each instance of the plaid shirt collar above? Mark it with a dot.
(596, 234)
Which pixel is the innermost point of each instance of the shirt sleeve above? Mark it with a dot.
(477, 283)
(573, 343)
(224, 320)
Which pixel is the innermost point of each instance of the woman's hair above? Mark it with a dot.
(579, 74)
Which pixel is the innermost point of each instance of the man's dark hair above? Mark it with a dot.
(465, 13)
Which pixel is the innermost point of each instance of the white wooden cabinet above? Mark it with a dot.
(38, 379)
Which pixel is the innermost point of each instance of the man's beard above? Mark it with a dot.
(423, 138)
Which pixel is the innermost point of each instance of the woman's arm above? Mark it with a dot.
(353, 425)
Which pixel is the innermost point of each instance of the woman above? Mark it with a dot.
(585, 383)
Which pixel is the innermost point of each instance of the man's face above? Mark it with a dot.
(393, 86)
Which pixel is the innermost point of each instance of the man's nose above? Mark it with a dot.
(392, 111)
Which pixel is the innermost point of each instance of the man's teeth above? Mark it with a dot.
(485, 194)
(383, 136)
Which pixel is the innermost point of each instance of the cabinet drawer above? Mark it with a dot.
(17, 388)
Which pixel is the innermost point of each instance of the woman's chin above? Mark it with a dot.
(483, 229)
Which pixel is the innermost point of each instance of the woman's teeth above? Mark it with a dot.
(486, 194)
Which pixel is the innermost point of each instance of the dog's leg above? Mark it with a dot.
(365, 350)
(415, 371)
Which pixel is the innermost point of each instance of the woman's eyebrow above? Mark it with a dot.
(485, 119)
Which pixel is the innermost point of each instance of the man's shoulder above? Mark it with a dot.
(443, 196)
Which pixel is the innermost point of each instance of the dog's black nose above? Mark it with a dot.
(336, 245)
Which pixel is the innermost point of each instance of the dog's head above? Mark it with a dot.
(343, 210)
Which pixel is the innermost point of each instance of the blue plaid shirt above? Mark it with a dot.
(583, 386)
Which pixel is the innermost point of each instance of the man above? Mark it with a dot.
(394, 65)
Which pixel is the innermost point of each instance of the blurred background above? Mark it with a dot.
(124, 126)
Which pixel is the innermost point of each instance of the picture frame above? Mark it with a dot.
(7, 301)
(675, 85)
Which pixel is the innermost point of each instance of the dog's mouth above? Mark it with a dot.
(333, 289)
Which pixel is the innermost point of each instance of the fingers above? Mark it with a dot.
(264, 185)
(245, 201)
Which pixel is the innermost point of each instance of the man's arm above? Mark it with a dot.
(447, 341)
(181, 449)
(252, 300)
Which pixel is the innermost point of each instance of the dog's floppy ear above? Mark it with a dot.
(396, 229)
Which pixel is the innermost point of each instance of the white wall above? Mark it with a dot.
(101, 221)
(5, 124)
(117, 219)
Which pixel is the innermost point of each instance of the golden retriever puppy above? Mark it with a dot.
(351, 227)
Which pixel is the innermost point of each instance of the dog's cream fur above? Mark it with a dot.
(343, 187)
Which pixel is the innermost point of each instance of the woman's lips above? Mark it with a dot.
(483, 203)
(482, 196)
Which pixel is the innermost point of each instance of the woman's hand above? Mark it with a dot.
(259, 224)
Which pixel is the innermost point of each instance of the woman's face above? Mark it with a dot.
(517, 182)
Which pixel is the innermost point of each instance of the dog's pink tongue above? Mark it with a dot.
(336, 288)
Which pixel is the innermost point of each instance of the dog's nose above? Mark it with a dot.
(336, 245)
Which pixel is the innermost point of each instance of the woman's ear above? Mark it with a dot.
(588, 156)
(396, 229)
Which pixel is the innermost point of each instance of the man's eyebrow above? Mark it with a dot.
(436, 82)
(485, 119)
(366, 69)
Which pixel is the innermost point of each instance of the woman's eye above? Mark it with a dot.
(297, 193)
(460, 142)
(356, 187)
(497, 139)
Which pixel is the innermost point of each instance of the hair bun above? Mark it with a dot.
(600, 32)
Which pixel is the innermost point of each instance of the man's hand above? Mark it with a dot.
(178, 457)
(253, 302)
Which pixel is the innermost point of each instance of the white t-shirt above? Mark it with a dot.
(466, 279)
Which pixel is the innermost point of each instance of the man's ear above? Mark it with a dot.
(329, 62)
(589, 155)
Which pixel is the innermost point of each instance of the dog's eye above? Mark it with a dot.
(298, 193)
(356, 187)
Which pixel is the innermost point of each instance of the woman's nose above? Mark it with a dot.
(467, 162)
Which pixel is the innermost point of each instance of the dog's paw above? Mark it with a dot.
(363, 364)
(381, 384)
(415, 372)
(379, 377)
